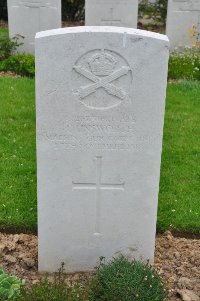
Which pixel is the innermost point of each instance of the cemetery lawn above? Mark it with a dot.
(179, 198)
(17, 155)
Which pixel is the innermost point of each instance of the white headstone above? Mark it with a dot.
(27, 17)
(111, 13)
(100, 112)
(182, 15)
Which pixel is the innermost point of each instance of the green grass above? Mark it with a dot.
(185, 65)
(17, 154)
(179, 198)
(4, 30)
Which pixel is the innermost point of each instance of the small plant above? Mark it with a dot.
(126, 280)
(185, 64)
(57, 290)
(9, 286)
(22, 64)
(8, 46)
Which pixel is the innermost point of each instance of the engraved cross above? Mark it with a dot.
(98, 186)
(111, 21)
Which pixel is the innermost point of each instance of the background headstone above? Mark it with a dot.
(111, 13)
(26, 17)
(100, 113)
(181, 16)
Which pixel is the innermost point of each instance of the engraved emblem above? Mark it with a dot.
(102, 70)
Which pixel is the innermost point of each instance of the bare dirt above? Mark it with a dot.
(177, 260)
(9, 74)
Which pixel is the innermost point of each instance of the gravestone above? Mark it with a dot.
(111, 13)
(100, 112)
(182, 15)
(27, 17)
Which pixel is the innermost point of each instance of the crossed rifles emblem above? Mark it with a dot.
(103, 81)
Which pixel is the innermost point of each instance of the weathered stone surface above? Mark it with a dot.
(26, 17)
(182, 15)
(111, 13)
(100, 112)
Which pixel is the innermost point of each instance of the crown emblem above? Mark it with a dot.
(102, 64)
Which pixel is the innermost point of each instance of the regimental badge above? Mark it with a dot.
(105, 76)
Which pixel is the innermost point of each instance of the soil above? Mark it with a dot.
(3, 24)
(177, 261)
(8, 74)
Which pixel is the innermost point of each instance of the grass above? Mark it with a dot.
(185, 64)
(17, 154)
(179, 198)
(4, 30)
